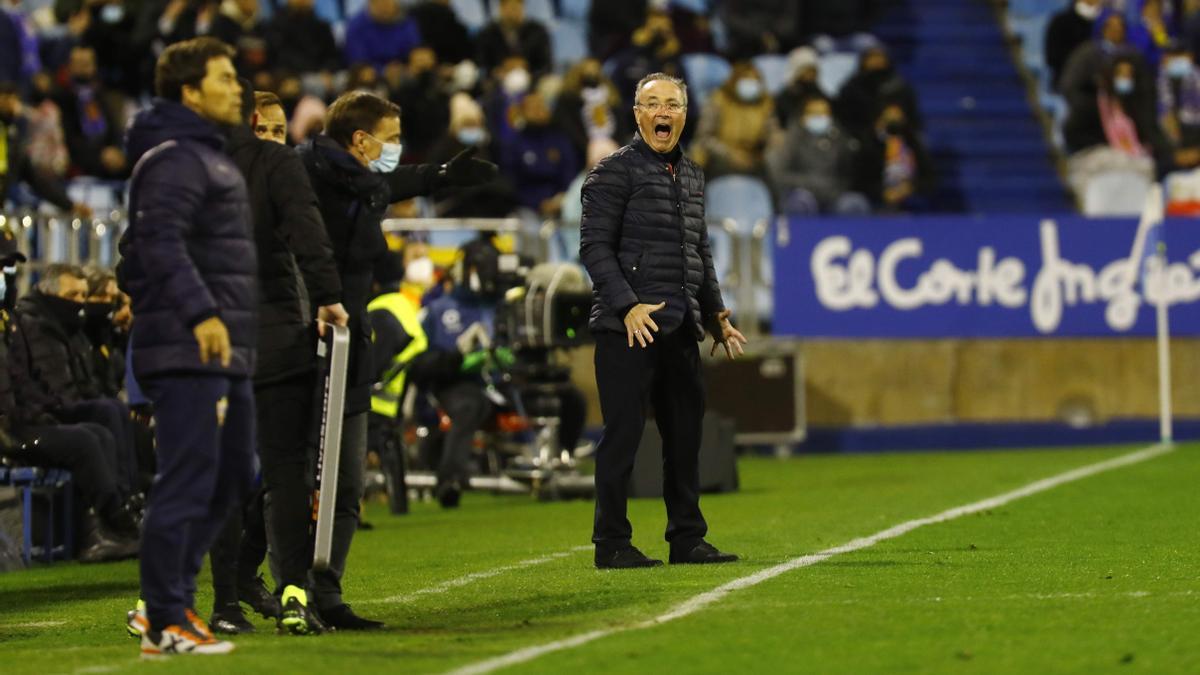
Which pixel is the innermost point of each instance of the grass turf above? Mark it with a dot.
(1093, 576)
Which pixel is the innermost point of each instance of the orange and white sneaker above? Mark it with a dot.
(136, 623)
(199, 626)
(176, 640)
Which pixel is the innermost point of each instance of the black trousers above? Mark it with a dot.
(468, 408)
(90, 453)
(286, 417)
(326, 585)
(239, 550)
(113, 415)
(667, 375)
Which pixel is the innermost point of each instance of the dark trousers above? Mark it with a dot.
(113, 415)
(287, 412)
(238, 551)
(90, 453)
(468, 408)
(204, 428)
(327, 584)
(666, 374)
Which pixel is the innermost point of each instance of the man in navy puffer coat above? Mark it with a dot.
(189, 265)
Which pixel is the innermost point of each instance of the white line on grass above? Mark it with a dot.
(475, 576)
(698, 602)
(34, 624)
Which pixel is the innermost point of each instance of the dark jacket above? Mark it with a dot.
(644, 239)
(440, 29)
(300, 42)
(1066, 31)
(188, 253)
(50, 364)
(296, 271)
(21, 168)
(532, 42)
(353, 202)
(86, 145)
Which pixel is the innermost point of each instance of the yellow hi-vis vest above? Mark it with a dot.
(385, 396)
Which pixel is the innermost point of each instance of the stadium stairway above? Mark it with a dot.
(987, 145)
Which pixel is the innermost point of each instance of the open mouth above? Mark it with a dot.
(662, 131)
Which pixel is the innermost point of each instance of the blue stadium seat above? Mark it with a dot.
(574, 9)
(703, 7)
(569, 39)
(746, 200)
(704, 73)
(538, 10)
(774, 69)
(471, 13)
(835, 69)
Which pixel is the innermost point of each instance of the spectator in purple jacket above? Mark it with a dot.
(381, 34)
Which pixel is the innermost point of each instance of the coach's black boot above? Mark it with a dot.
(624, 558)
(102, 546)
(699, 553)
(254, 592)
(230, 620)
(344, 618)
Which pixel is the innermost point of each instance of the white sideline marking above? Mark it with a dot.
(34, 624)
(698, 602)
(475, 576)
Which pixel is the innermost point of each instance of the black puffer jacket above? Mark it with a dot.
(188, 254)
(50, 366)
(296, 271)
(353, 202)
(644, 239)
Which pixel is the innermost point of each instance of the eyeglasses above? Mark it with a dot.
(673, 108)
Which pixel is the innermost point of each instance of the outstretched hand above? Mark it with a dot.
(464, 169)
(638, 324)
(725, 335)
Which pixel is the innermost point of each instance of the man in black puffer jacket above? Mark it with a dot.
(645, 245)
(189, 266)
(354, 167)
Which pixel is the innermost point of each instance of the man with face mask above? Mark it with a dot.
(895, 171)
(1071, 27)
(354, 166)
(875, 81)
(511, 34)
(813, 170)
(737, 124)
(1179, 96)
(468, 129)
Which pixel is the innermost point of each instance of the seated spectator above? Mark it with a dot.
(1068, 29)
(761, 26)
(426, 106)
(895, 171)
(109, 29)
(440, 28)
(815, 167)
(381, 34)
(653, 48)
(539, 158)
(803, 84)
(468, 129)
(87, 450)
(875, 81)
(91, 126)
(106, 325)
(15, 157)
(610, 23)
(511, 34)
(300, 42)
(589, 106)
(736, 126)
(1089, 62)
(52, 368)
(502, 101)
(1179, 96)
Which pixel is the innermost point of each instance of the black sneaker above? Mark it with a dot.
(627, 557)
(256, 594)
(449, 495)
(701, 553)
(297, 618)
(230, 620)
(344, 618)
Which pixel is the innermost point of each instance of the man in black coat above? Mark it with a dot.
(511, 34)
(189, 265)
(645, 245)
(354, 168)
(1068, 29)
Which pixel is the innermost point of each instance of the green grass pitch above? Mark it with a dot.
(1094, 576)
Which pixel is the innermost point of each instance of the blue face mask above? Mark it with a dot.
(1179, 67)
(389, 157)
(1123, 85)
(818, 125)
(471, 135)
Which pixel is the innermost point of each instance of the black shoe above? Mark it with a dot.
(449, 495)
(699, 554)
(255, 593)
(229, 620)
(121, 522)
(297, 617)
(344, 618)
(101, 546)
(624, 558)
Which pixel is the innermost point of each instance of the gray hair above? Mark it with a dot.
(48, 284)
(661, 77)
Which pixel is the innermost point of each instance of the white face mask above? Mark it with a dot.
(474, 282)
(466, 74)
(1089, 12)
(419, 271)
(389, 157)
(516, 82)
(749, 88)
